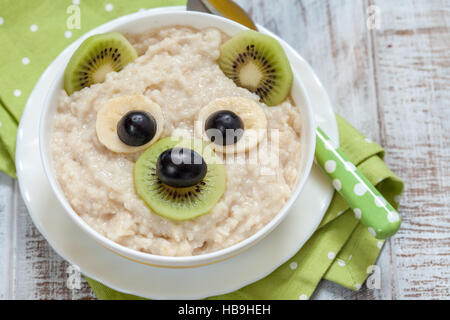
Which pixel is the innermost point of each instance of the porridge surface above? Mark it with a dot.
(177, 69)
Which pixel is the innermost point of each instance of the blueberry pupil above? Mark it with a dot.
(136, 128)
(224, 127)
(180, 167)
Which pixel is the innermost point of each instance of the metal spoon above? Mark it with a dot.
(368, 205)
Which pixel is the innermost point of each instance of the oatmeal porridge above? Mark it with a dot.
(177, 69)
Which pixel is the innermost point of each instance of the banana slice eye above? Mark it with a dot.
(233, 124)
(129, 124)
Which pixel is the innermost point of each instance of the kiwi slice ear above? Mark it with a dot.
(258, 63)
(97, 56)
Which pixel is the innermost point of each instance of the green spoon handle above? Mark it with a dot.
(366, 201)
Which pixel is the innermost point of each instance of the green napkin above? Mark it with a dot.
(341, 250)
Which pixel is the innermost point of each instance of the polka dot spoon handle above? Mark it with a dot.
(366, 201)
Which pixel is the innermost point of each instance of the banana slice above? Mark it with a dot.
(113, 110)
(251, 114)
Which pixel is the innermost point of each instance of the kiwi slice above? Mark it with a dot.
(180, 203)
(97, 56)
(258, 63)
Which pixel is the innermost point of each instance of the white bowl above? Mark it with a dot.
(140, 24)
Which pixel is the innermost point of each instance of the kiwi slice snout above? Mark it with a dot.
(258, 63)
(179, 203)
(97, 56)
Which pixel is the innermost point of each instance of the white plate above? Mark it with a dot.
(158, 283)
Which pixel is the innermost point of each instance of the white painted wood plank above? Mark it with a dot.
(40, 272)
(6, 226)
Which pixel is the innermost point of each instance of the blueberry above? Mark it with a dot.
(224, 127)
(136, 128)
(180, 167)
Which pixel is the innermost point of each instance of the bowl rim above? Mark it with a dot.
(160, 260)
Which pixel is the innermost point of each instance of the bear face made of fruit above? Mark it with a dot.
(179, 178)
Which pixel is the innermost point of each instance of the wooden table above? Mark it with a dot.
(387, 71)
